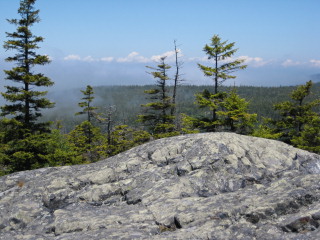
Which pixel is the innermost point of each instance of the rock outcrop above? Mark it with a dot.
(201, 186)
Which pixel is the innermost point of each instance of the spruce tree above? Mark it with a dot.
(234, 114)
(309, 138)
(221, 53)
(86, 105)
(231, 110)
(157, 115)
(24, 142)
(209, 122)
(25, 101)
(88, 142)
(296, 114)
(86, 130)
(125, 137)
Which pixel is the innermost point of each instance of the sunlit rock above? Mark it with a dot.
(201, 186)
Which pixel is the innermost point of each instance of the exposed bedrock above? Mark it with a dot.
(200, 186)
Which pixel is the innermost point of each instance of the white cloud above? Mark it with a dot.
(254, 61)
(290, 62)
(75, 57)
(198, 59)
(312, 62)
(315, 63)
(88, 59)
(136, 57)
(107, 59)
(72, 57)
(170, 56)
(133, 57)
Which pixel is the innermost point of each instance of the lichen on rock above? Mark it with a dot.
(200, 186)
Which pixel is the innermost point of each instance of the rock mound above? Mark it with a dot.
(201, 186)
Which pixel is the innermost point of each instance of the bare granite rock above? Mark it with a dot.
(201, 186)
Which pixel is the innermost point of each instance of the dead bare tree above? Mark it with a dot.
(107, 118)
(177, 77)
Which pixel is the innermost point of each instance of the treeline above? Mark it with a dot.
(165, 109)
(114, 129)
(127, 101)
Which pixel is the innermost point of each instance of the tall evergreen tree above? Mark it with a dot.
(87, 127)
(157, 113)
(309, 139)
(86, 105)
(297, 113)
(206, 100)
(26, 101)
(221, 52)
(24, 142)
(298, 120)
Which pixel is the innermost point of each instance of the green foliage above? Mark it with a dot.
(295, 114)
(86, 139)
(61, 152)
(209, 100)
(25, 141)
(163, 130)
(26, 102)
(231, 112)
(213, 102)
(88, 142)
(57, 149)
(124, 138)
(266, 130)
(26, 153)
(220, 52)
(157, 116)
(129, 99)
(121, 139)
(309, 139)
(33, 150)
(188, 124)
(86, 106)
(298, 122)
(234, 114)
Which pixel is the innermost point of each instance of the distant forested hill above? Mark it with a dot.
(128, 100)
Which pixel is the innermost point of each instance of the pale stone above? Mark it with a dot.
(200, 186)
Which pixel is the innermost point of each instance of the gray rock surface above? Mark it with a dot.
(201, 186)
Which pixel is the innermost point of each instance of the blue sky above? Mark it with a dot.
(109, 42)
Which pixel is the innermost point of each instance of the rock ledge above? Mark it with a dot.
(201, 186)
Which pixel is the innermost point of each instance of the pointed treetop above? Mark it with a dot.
(221, 53)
